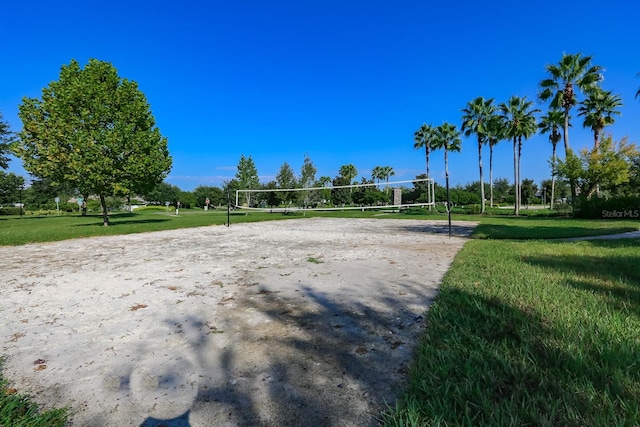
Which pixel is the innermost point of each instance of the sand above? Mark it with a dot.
(296, 322)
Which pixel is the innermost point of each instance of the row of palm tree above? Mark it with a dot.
(515, 119)
(382, 172)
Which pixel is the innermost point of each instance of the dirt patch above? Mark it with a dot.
(297, 322)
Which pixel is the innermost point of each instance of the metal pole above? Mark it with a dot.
(21, 187)
(229, 208)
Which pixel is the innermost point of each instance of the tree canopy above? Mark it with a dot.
(93, 130)
(6, 137)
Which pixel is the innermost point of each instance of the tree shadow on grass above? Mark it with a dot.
(116, 223)
(486, 362)
(524, 232)
(608, 273)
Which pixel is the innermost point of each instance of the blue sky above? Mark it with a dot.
(341, 81)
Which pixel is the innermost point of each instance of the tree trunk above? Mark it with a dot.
(426, 150)
(553, 176)
(519, 177)
(446, 174)
(491, 174)
(515, 176)
(426, 154)
(481, 177)
(105, 215)
(567, 148)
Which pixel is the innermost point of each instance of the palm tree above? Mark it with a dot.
(474, 121)
(574, 71)
(551, 124)
(376, 173)
(495, 134)
(598, 111)
(423, 137)
(447, 137)
(520, 123)
(387, 172)
(348, 171)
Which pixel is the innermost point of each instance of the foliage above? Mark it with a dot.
(286, 178)
(93, 130)
(340, 196)
(246, 177)
(598, 110)
(529, 190)
(520, 123)
(614, 208)
(477, 121)
(6, 139)
(307, 173)
(606, 166)
(214, 194)
(162, 193)
(10, 185)
(423, 138)
(349, 172)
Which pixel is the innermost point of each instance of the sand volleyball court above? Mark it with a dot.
(296, 322)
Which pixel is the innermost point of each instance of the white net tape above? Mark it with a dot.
(381, 195)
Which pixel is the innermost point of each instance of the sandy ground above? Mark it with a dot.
(297, 322)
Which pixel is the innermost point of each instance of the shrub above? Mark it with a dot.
(615, 208)
(9, 210)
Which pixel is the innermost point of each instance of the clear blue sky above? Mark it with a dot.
(342, 81)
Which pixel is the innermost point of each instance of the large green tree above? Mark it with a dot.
(520, 123)
(598, 111)
(247, 177)
(606, 166)
(6, 138)
(94, 130)
(475, 121)
(10, 186)
(551, 123)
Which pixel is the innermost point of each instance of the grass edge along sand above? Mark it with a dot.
(530, 333)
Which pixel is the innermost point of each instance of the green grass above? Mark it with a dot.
(33, 229)
(17, 410)
(531, 333)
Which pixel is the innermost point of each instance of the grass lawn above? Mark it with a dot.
(531, 333)
(524, 331)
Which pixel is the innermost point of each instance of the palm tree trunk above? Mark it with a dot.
(426, 150)
(566, 132)
(567, 148)
(553, 176)
(515, 176)
(491, 174)
(481, 177)
(446, 174)
(426, 154)
(519, 177)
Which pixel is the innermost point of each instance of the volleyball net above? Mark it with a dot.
(371, 195)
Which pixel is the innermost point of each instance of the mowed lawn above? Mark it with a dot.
(524, 332)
